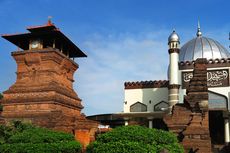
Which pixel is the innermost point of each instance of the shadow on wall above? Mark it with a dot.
(156, 100)
(154, 96)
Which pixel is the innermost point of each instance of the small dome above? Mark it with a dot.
(202, 47)
(173, 37)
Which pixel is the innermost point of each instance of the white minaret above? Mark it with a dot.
(173, 42)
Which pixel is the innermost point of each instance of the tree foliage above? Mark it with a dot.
(19, 137)
(135, 139)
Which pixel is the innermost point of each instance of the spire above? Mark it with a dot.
(174, 30)
(198, 34)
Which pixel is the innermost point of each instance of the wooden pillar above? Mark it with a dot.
(226, 130)
(126, 121)
(150, 119)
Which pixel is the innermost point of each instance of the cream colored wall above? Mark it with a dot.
(156, 95)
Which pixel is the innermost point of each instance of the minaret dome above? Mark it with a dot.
(173, 40)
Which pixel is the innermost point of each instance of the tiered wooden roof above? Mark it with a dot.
(48, 33)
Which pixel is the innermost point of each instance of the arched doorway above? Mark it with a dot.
(216, 127)
(218, 104)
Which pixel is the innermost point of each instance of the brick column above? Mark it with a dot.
(196, 135)
(190, 121)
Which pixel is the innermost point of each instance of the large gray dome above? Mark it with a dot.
(202, 47)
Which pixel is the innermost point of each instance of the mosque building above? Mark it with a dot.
(43, 92)
(147, 102)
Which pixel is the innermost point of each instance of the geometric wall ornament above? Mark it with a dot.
(215, 78)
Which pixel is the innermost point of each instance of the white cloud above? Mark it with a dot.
(112, 61)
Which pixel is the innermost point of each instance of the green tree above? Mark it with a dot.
(19, 137)
(135, 139)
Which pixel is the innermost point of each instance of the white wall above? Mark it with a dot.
(156, 95)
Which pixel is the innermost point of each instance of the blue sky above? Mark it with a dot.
(125, 40)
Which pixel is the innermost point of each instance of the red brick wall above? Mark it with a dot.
(83, 136)
(43, 94)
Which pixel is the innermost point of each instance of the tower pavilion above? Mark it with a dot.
(43, 91)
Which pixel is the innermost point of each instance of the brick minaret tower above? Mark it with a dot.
(196, 135)
(43, 92)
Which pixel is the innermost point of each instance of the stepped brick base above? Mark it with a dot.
(196, 135)
(190, 120)
(43, 93)
(178, 121)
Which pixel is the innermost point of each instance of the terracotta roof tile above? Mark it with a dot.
(222, 62)
(146, 84)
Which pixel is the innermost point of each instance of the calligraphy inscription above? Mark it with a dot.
(215, 78)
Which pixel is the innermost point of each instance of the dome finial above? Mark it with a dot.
(198, 34)
(174, 30)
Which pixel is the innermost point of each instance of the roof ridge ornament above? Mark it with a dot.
(198, 34)
(49, 23)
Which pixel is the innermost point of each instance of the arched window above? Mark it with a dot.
(161, 106)
(217, 101)
(138, 107)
